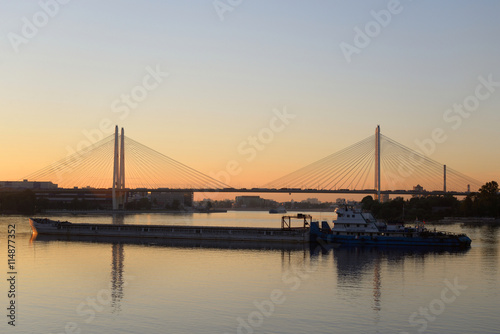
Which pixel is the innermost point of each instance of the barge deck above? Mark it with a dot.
(285, 234)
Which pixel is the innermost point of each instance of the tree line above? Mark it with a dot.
(484, 203)
(15, 202)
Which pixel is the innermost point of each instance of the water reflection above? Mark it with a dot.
(177, 243)
(359, 269)
(118, 219)
(293, 256)
(489, 249)
(117, 259)
(117, 277)
(377, 283)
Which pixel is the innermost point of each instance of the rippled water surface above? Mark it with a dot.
(85, 286)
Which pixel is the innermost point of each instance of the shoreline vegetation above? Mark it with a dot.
(483, 205)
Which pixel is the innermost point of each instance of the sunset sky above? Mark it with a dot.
(195, 79)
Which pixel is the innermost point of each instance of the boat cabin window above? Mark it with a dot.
(339, 214)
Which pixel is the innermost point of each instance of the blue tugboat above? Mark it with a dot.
(360, 228)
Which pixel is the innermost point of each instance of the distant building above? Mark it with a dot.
(340, 201)
(25, 184)
(418, 188)
(248, 201)
(76, 200)
(254, 202)
(169, 199)
(313, 201)
(205, 202)
(138, 194)
(384, 198)
(352, 202)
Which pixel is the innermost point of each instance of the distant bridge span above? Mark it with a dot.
(246, 190)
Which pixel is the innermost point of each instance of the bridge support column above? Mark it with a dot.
(121, 202)
(119, 171)
(115, 172)
(444, 175)
(377, 162)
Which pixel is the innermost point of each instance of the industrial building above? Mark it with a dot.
(25, 184)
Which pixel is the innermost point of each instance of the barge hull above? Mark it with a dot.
(292, 235)
(387, 241)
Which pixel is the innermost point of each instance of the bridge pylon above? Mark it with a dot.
(377, 162)
(118, 193)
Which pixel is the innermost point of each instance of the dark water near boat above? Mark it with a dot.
(83, 286)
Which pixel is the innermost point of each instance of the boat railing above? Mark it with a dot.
(443, 233)
(286, 221)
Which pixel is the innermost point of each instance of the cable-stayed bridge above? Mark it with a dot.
(374, 165)
(379, 163)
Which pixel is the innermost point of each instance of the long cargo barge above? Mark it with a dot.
(285, 234)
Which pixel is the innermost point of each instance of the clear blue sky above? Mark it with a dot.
(225, 77)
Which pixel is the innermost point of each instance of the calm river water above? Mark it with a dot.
(83, 286)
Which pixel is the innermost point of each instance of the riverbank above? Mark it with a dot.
(112, 212)
(125, 212)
